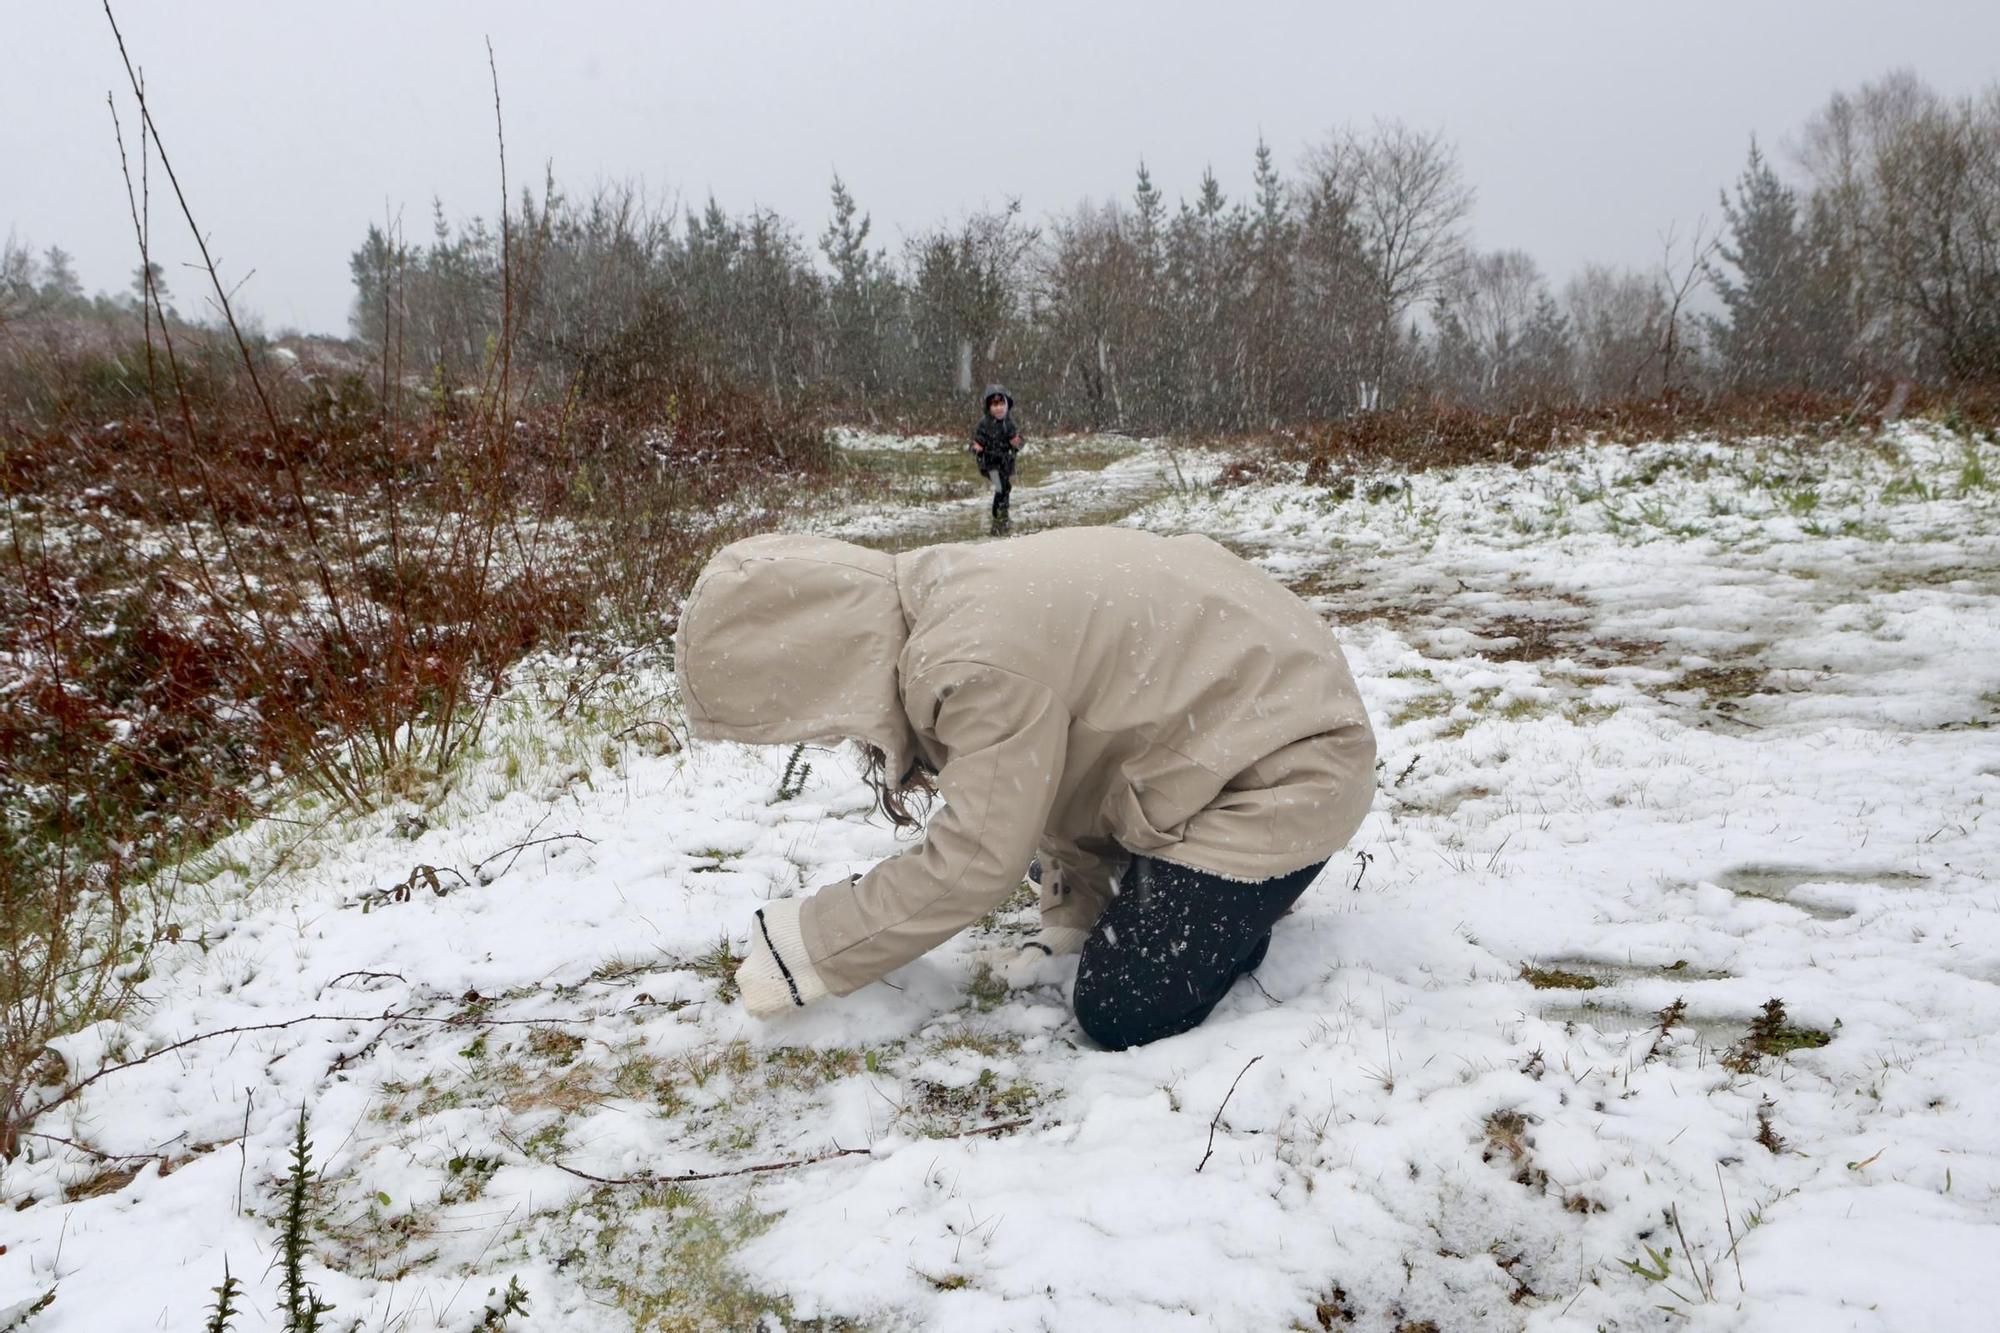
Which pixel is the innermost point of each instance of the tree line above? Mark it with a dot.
(1347, 284)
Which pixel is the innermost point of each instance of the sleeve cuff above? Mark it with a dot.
(1057, 940)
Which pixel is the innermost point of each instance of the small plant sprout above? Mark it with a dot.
(797, 771)
(302, 1306)
(502, 1306)
(223, 1312)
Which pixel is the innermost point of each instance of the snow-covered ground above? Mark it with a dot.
(1679, 729)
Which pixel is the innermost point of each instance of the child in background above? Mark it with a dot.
(995, 442)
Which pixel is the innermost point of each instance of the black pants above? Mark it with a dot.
(998, 468)
(1171, 945)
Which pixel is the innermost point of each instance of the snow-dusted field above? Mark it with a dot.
(1667, 733)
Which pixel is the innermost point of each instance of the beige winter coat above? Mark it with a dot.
(1091, 692)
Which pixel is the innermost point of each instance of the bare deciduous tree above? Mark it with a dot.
(1410, 202)
(1682, 274)
(1618, 319)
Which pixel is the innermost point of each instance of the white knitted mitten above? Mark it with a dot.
(1028, 963)
(776, 975)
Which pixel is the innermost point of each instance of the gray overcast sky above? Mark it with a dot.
(1586, 127)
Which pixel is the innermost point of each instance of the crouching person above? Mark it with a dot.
(1174, 732)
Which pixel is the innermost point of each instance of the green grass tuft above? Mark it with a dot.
(1555, 978)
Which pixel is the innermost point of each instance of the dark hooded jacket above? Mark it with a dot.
(1000, 439)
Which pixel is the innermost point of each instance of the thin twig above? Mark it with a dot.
(365, 976)
(148, 295)
(98, 1153)
(243, 1147)
(506, 243)
(286, 461)
(763, 1167)
(1220, 1109)
(391, 1017)
(667, 727)
(520, 847)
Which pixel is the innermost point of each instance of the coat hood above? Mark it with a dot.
(992, 389)
(795, 638)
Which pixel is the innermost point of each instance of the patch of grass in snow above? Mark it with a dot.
(1330, 1310)
(1479, 708)
(989, 1044)
(1972, 473)
(554, 1046)
(1555, 978)
(719, 965)
(945, 1096)
(948, 1282)
(1872, 530)
(468, 1174)
(1584, 713)
(662, 1257)
(735, 1060)
(1507, 1139)
(724, 1096)
(947, 1109)
(108, 1180)
(1423, 708)
(1723, 682)
(1892, 578)
(987, 990)
(1534, 639)
(806, 1068)
(1772, 1033)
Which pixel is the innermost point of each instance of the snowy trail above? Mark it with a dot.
(1140, 472)
(1681, 728)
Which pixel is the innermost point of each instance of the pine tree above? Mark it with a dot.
(1273, 241)
(158, 284)
(1777, 331)
(1333, 298)
(61, 288)
(851, 301)
(1546, 366)
(1146, 356)
(1150, 224)
(845, 242)
(376, 269)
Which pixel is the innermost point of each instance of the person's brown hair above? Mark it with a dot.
(903, 802)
